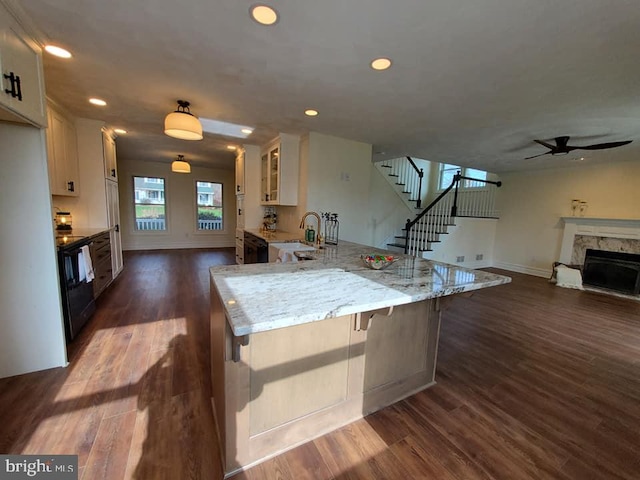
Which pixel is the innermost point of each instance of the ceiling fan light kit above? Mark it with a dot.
(180, 166)
(562, 146)
(182, 123)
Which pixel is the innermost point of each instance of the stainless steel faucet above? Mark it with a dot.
(304, 217)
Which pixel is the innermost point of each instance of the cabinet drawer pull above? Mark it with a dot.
(16, 87)
(19, 88)
(71, 186)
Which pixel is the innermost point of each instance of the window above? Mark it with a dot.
(447, 172)
(209, 205)
(149, 203)
(477, 174)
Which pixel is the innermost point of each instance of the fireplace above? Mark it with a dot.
(617, 271)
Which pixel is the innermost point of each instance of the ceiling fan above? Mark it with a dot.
(561, 147)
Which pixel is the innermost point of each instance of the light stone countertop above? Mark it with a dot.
(267, 296)
(277, 236)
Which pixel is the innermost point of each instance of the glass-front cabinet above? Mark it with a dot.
(274, 178)
(279, 173)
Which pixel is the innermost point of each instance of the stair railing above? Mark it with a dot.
(441, 212)
(407, 175)
(420, 173)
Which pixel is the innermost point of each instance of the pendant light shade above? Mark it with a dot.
(182, 123)
(180, 166)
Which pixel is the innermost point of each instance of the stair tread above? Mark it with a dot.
(437, 233)
(402, 246)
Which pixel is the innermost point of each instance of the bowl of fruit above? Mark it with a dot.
(377, 261)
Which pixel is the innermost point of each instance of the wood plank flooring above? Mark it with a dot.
(534, 382)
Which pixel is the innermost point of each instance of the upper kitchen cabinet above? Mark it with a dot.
(22, 80)
(279, 172)
(62, 154)
(109, 148)
(240, 172)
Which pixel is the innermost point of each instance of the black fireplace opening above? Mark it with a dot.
(617, 271)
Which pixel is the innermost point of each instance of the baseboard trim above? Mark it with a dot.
(514, 267)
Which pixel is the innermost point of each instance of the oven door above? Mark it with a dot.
(77, 295)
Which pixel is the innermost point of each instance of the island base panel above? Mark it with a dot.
(294, 384)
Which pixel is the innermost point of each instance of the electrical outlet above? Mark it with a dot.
(460, 258)
(479, 256)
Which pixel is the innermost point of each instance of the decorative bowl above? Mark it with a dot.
(378, 261)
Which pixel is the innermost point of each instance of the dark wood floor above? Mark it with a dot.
(534, 382)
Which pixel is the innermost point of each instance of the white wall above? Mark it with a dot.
(529, 232)
(388, 213)
(339, 180)
(180, 197)
(468, 238)
(334, 176)
(31, 325)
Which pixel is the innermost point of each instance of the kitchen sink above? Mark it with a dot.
(295, 246)
(274, 249)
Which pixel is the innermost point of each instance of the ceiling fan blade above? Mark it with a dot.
(545, 153)
(561, 142)
(602, 146)
(545, 144)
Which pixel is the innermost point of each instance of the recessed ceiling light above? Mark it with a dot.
(120, 131)
(310, 112)
(58, 51)
(97, 101)
(231, 147)
(248, 131)
(263, 14)
(381, 63)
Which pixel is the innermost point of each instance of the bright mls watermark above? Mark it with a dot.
(50, 467)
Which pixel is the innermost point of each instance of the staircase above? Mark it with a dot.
(465, 197)
(406, 178)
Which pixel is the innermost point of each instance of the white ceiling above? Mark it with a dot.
(473, 82)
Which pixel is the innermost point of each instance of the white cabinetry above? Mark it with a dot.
(279, 171)
(109, 148)
(113, 212)
(240, 172)
(62, 154)
(240, 229)
(112, 199)
(22, 79)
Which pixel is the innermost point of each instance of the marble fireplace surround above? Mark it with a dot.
(610, 234)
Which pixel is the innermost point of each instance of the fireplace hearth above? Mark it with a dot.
(616, 271)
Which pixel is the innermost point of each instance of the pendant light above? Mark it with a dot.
(182, 123)
(180, 166)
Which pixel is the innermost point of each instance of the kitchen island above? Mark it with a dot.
(298, 350)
